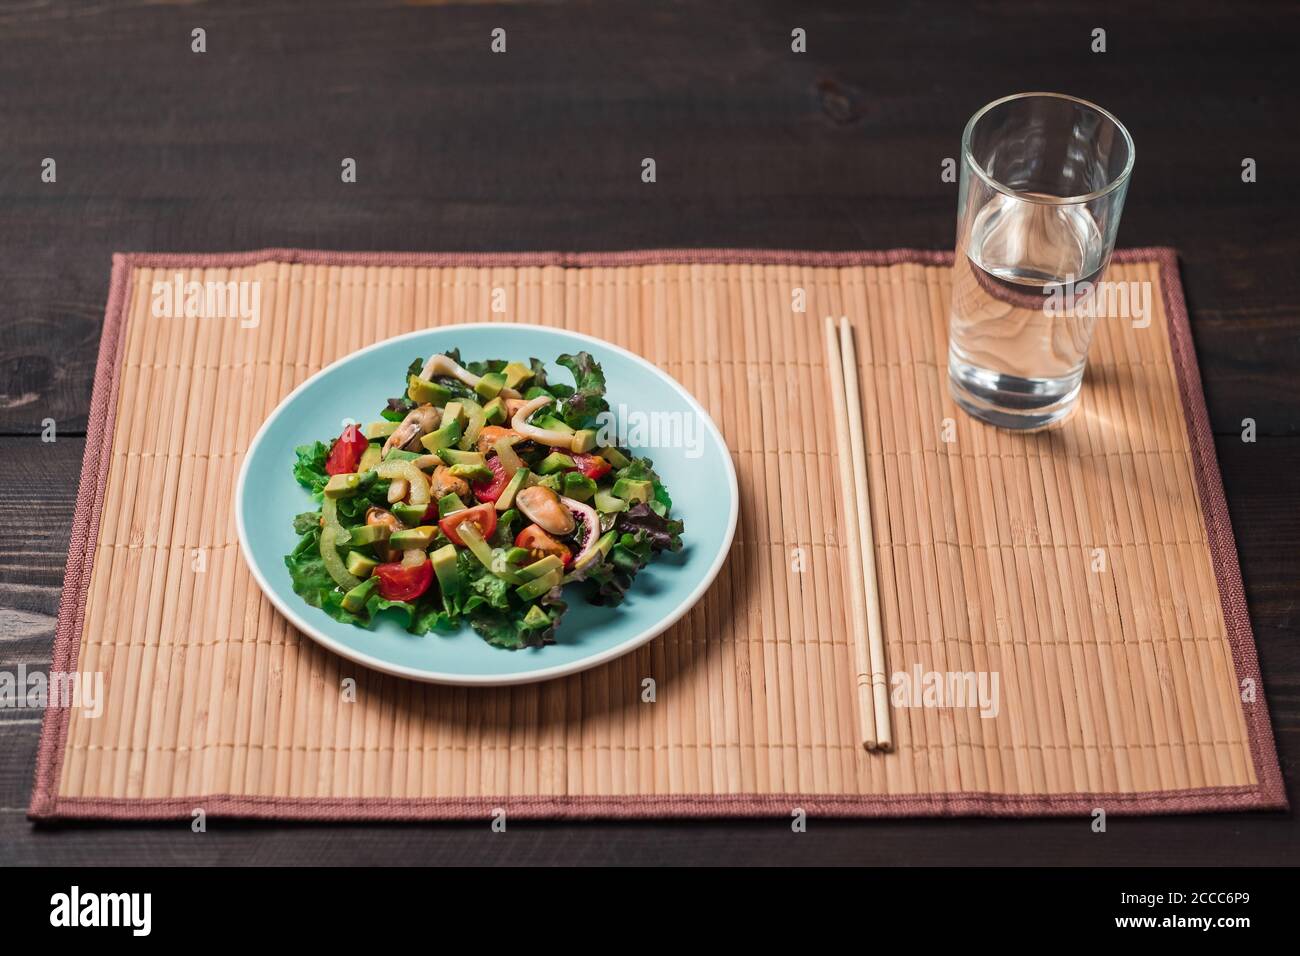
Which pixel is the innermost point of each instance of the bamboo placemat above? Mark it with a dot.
(1092, 568)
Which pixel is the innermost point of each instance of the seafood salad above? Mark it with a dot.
(480, 494)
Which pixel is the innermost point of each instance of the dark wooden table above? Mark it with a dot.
(457, 148)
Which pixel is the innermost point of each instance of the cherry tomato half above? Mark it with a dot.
(484, 517)
(541, 544)
(491, 490)
(403, 582)
(345, 454)
(593, 466)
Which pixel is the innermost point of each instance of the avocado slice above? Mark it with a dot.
(634, 489)
(454, 456)
(358, 564)
(511, 489)
(578, 486)
(409, 538)
(364, 535)
(600, 551)
(489, 385)
(517, 374)
(343, 486)
(444, 566)
(472, 472)
(608, 504)
(409, 515)
(517, 555)
(584, 440)
(606, 543)
(555, 461)
(422, 391)
(372, 456)
(539, 585)
(380, 429)
(535, 618)
(614, 457)
(453, 412)
(450, 504)
(355, 600)
(494, 412)
(443, 437)
(553, 424)
(547, 481)
(541, 566)
(401, 454)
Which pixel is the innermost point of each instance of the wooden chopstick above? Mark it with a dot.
(875, 637)
(848, 498)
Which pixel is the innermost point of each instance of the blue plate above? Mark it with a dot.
(689, 455)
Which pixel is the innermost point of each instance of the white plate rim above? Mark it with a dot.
(490, 680)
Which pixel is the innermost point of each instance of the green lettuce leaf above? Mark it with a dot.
(468, 599)
(493, 590)
(507, 630)
(304, 522)
(490, 365)
(579, 410)
(399, 405)
(307, 570)
(500, 630)
(352, 511)
(397, 408)
(405, 611)
(309, 466)
(660, 533)
(539, 374)
(504, 535)
(429, 616)
(609, 581)
(419, 618)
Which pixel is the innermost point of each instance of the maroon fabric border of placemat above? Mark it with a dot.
(1268, 793)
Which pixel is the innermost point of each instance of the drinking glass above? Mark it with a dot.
(1043, 179)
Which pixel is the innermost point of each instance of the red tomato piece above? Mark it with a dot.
(483, 517)
(593, 466)
(346, 452)
(541, 544)
(403, 582)
(491, 490)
